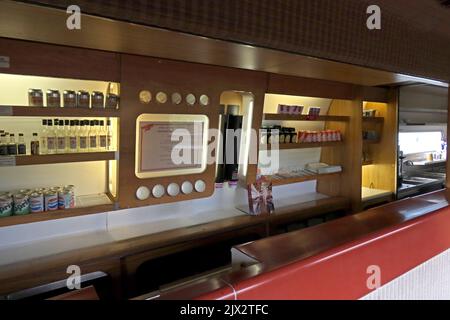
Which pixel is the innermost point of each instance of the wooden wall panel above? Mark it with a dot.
(349, 155)
(382, 174)
(142, 73)
(32, 58)
(298, 86)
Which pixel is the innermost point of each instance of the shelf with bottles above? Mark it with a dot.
(57, 140)
(33, 96)
(289, 138)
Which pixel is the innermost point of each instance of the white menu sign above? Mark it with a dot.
(166, 148)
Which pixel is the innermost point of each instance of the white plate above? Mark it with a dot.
(158, 191)
(173, 189)
(200, 186)
(176, 98)
(142, 193)
(190, 99)
(161, 97)
(187, 187)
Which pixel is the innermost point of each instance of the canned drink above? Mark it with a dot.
(51, 201)
(64, 199)
(6, 205)
(25, 191)
(36, 202)
(21, 204)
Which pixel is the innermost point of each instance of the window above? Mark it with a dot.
(417, 142)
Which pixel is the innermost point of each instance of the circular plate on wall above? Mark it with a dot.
(204, 100)
(161, 97)
(176, 98)
(173, 189)
(142, 193)
(190, 99)
(187, 187)
(145, 96)
(200, 186)
(158, 191)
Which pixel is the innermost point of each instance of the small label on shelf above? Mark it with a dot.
(4, 62)
(6, 111)
(7, 161)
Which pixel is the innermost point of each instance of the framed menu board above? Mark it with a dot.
(170, 144)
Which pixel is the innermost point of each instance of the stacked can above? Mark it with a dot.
(64, 199)
(71, 189)
(6, 204)
(51, 200)
(21, 204)
(37, 201)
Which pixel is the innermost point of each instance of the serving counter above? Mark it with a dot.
(332, 260)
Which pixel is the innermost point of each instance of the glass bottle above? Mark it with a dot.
(102, 137)
(83, 137)
(12, 145)
(73, 137)
(43, 144)
(67, 134)
(51, 138)
(109, 135)
(61, 137)
(93, 137)
(34, 146)
(21, 146)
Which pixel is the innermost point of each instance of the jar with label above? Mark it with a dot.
(53, 98)
(70, 99)
(83, 99)
(35, 98)
(98, 100)
(112, 101)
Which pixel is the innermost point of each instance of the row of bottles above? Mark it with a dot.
(59, 137)
(71, 136)
(9, 146)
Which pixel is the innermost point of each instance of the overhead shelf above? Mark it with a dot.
(303, 117)
(11, 161)
(288, 146)
(279, 182)
(26, 111)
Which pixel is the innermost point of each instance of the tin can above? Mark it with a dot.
(6, 205)
(36, 202)
(25, 191)
(21, 204)
(64, 199)
(35, 98)
(51, 201)
(53, 98)
(70, 99)
(71, 189)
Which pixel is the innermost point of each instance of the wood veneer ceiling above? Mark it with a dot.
(43, 24)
